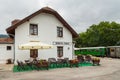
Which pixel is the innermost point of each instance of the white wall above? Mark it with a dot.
(4, 53)
(47, 33)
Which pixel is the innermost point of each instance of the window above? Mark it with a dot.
(59, 31)
(112, 50)
(9, 48)
(34, 53)
(59, 51)
(97, 50)
(33, 29)
(101, 50)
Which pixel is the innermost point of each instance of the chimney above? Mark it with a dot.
(15, 21)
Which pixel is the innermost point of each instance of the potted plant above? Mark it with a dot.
(80, 58)
(88, 58)
(96, 61)
(9, 61)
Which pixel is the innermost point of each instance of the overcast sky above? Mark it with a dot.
(80, 14)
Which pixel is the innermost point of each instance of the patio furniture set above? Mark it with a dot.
(35, 64)
(53, 63)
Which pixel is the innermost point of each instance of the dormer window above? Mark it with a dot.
(33, 29)
(59, 31)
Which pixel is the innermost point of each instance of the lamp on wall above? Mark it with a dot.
(54, 43)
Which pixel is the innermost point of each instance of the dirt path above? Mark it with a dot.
(109, 70)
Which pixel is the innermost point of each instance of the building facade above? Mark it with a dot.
(6, 49)
(47, 26)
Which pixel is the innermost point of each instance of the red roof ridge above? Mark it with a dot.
(48, 8)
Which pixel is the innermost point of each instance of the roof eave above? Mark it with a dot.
(11, 29)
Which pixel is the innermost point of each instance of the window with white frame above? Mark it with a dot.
(59, 31)
(33, 29)
(59, 51)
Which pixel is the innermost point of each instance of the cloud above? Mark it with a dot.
(12, 9)
(80, 14)
(83, 13)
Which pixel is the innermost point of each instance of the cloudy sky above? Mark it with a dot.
(80, 14)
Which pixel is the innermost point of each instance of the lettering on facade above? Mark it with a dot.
(61, 43)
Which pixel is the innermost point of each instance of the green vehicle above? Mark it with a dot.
(95, 51)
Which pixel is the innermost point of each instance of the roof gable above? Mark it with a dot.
(11, 29)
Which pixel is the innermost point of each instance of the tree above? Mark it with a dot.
(103, 34)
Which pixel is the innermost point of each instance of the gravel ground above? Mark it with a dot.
(109, 70)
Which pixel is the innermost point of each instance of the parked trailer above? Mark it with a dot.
(95, 51)
(114, 51)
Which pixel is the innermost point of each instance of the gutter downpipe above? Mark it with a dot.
(73, 46)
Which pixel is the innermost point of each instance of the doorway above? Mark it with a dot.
(34, 53)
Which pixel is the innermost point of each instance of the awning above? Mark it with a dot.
(34, 45)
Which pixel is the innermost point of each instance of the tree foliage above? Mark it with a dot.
(103, 34)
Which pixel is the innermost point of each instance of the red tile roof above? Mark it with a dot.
(11, 29)
(6, 41)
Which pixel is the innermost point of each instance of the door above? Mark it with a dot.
(34, 53)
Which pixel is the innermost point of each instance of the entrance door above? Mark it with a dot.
(34, 53)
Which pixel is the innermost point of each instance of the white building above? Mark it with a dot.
(47, 26)
(6, 49)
